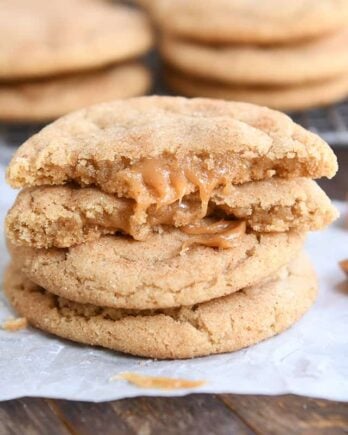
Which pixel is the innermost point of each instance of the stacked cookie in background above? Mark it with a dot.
(166, 227)
(60, 55)
(287, 55)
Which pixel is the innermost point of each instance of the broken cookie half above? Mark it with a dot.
(64, 216)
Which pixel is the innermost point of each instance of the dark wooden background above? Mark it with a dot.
(191, 415)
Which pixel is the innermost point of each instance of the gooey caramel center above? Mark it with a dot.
(163, 181)
(162, 189)
(221, 234)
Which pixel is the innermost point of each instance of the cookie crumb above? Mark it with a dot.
(344, 266)
(158, 382)
(13, 325)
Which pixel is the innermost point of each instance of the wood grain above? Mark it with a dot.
(29, 417)
(196, 414)
(290, 415)
(192, 415)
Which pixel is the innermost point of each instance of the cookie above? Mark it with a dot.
(60, 36)
(309, 61)
(248, 21)
(63, 216)
(158, 150)
(163, 271)
(289, 98)
(222, 325)
(47, 99)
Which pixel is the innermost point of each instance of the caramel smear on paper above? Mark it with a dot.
(13, 325)
(162, 383)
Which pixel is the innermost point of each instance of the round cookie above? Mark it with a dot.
(104, 145)
(49, 98)
(290, 98)
(63, 216)
(59, 36)
(157, 273)
(310, 61)
(222, 325)
(248, 21)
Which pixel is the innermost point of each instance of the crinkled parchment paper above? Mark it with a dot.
(310, 359)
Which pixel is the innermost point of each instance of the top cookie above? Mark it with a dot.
(111, 145)
(40, 37)
(156, 150)
(248, 21)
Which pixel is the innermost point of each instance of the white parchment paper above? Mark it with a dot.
(310, 359)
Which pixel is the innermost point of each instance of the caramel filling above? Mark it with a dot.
(120, 218)
(177, 214)
(221, 234)
(158, 382)
(164, 181)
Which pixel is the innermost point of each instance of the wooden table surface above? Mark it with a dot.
(194, 414)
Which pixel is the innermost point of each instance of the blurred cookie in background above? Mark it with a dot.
(286, 55)
(248, 21)
(41, 38)
(62, 55)
(48, 98)
(291, 98)
(309, 61)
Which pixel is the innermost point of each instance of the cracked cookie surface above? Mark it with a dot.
(120, 272)
(108, 144)
(222, 325)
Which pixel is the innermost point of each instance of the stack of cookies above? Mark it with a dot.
(287, 55)
(166, 227)
(60, 55)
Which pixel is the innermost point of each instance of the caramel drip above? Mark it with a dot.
(206, 183)
(155, 175)
(158, 382)
(179, 183)
(163, 181)
(154, 181)
(219, 234)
